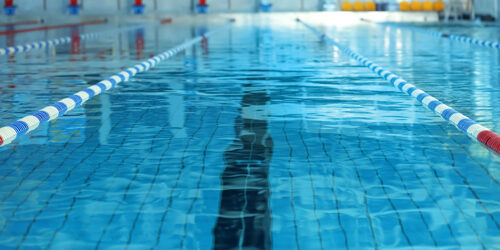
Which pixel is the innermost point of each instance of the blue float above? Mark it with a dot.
(74, 9)
(266, 7)
(138, 9)
(202, 8)
(10, 10)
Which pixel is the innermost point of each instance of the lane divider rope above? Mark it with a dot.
(463, 39)
(22, 23)
(58, 41)
(31, 122)
(474, 130)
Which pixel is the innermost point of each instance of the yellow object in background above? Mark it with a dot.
(415, 6)
(358, 6)
(427, 6)
(346, 6)
(404, 6)
(370, 6)
(438, 6)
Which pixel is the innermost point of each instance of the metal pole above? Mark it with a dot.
(472, 10)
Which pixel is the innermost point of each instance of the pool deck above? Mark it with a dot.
(323, 17)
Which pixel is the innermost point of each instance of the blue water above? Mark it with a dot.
(260, 137)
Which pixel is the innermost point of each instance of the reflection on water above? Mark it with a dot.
(244, 216)
(153, 124)
(139, 44)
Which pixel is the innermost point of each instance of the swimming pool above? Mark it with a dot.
(260, 136)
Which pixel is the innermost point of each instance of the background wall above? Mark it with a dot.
(488, 7)
(100, 7)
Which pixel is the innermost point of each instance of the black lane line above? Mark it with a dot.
(429, 194)
(292, 195)
(466, 182)
(179, 173)
(365, 193)
(244, 216)
(330, 160)
(181, 244)
(308, 158)
(28, 229)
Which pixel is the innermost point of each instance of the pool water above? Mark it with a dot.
(259, 137)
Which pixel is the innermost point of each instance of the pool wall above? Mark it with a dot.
(93, 7)
(319, 17)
